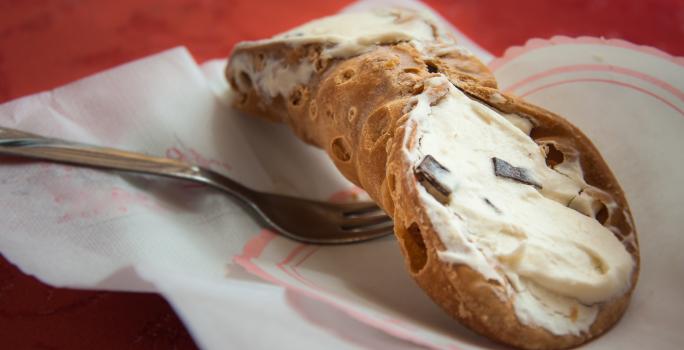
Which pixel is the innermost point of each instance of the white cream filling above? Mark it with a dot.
(524, 124)
(351, 34)
(275, 78)
(344, 35)
(559, 262)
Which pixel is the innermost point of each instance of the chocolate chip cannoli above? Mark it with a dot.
(506, 214)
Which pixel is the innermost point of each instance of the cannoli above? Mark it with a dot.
(506, 214)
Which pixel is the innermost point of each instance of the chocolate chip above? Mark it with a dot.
(489, 203)
(431, 67)
(427, 173)
(505, 169)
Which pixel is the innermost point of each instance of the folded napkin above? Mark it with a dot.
(237, 285)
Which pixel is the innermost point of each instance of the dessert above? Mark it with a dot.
(506, 214)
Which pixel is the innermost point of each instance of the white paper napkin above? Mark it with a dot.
(237, 286)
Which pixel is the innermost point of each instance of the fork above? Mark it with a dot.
(300, 219)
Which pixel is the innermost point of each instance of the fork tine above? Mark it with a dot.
(373, 230)
(374, 218)
(356, 209)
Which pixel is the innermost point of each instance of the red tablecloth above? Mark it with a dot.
(47, 44)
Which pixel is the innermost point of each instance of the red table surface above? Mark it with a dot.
(44, 44)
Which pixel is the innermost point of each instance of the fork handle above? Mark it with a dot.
(19, 143)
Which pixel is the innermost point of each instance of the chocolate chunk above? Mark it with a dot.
(489, 203)
(505, 169)
(428, 173)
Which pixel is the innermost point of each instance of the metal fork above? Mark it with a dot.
(300, 219)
